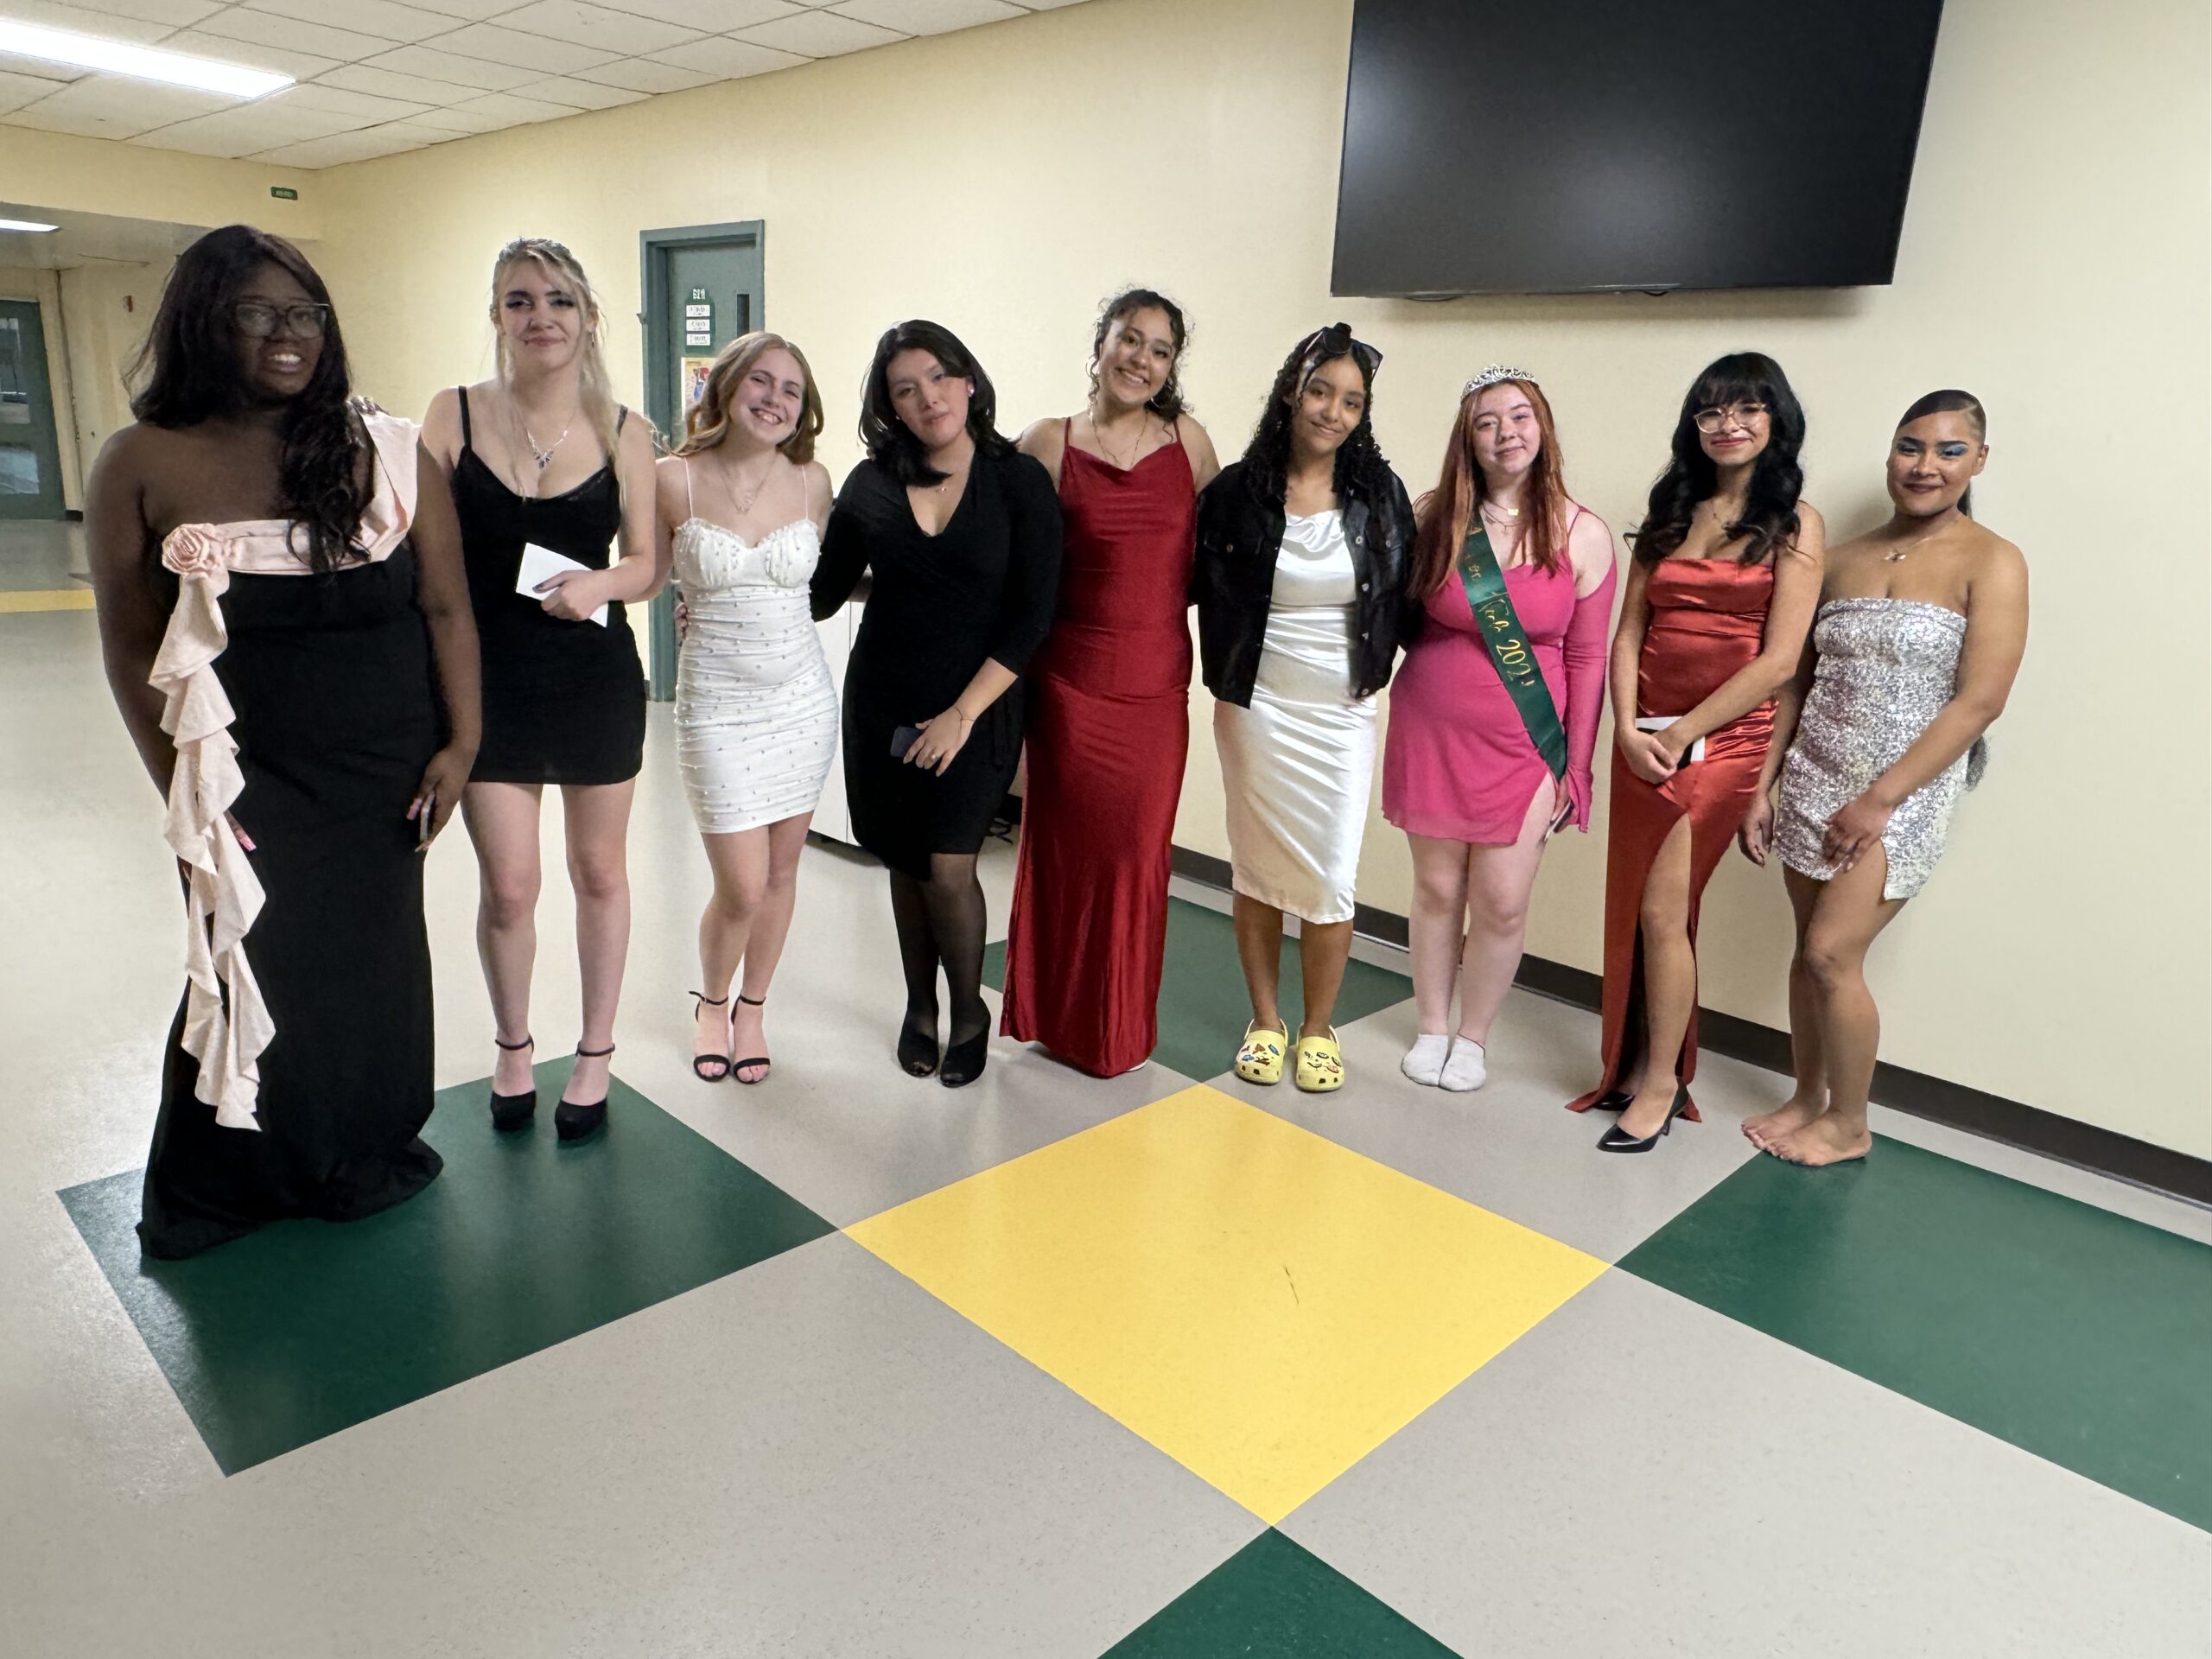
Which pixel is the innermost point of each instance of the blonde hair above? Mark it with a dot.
(706, 424)
(595, 385)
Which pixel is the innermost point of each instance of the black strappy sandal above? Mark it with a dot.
(511, 1112)
(700, 1062)
(576, 1121)
(760, 1060)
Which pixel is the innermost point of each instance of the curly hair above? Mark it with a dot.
(1168, 402)
(884, 435)
(1770, 519)
(1360, 468)
(187, 373)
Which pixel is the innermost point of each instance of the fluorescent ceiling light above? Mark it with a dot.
(142, 62)
(30, 224)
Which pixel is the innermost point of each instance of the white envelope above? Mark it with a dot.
(539, 562)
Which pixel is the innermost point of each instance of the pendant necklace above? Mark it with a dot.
(544, 456)
(746, 499)
(1099, 433)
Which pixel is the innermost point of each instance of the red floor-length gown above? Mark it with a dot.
(1708, 618)
(1108, 729)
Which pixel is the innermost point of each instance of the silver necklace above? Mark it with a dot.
(745, 501)
(543, 457)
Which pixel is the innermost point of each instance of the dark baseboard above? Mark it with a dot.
(1937, 1100)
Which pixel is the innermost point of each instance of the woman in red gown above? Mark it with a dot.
(1109, 702)
(1721, 594)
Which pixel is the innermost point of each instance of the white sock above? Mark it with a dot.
(1464, 1071)
(1424, 1061)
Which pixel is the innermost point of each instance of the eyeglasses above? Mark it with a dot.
(1712, 419)
(1335, 340)
(258, 320)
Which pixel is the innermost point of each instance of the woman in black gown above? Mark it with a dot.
(960, 533)
(286, 630)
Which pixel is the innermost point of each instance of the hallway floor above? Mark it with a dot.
(848, 1364)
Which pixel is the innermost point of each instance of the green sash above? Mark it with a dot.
(1501, 630)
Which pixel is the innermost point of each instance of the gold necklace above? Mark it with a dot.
(1892, 558)
(1099, 433)
(746, 500)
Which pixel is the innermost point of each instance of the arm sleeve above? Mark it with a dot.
(1033, 565)
(844, 549)
(1585, 651)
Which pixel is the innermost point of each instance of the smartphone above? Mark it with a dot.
(1660, 724)
(903, 739)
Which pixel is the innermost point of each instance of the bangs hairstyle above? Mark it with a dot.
(1769, 517)
(706, 424)
(1360, 468)
(1442, 517)
(187, 373)
(1953, 401)
(889, 442)
(1168, 402)
(596, 387)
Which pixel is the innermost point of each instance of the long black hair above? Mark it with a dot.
(1770, 505)
(1360, 468)
(888, 440)
(1951, 402)
(1168, 402)
(188, 368)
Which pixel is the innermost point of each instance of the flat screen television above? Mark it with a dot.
(1567, 146)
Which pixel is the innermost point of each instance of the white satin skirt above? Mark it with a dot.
(1298, 768)
(756, 710)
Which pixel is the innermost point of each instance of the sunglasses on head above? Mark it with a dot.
(1335, 340)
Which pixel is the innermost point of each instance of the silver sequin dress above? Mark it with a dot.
(1885, 669)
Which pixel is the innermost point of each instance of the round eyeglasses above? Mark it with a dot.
(1714, 418)
(259, 319)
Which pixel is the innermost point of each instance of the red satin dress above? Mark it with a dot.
(1108, 729)
(1708, 619)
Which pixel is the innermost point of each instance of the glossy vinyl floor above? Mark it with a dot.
(851, 1365)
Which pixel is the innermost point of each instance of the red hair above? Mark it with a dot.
(1442, 516)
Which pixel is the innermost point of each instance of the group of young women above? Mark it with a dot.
(325, 635)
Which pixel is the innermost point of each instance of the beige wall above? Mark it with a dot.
(98, 175)
(2057, 260)
(108, 308)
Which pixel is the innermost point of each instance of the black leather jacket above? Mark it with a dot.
(1239, 534)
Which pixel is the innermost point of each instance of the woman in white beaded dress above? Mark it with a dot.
(1920, 632)
(743, 503)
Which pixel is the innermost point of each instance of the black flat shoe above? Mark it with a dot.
(575, 1121)
(964, 1060)
(701, 1063)
(512, 1112)
(1614, 1140)
(918, 1049)
(760, 1060)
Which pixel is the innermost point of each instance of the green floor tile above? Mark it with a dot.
(307, 1327)
(2073, 1333)
(1274, 1600)
(1203, 1007)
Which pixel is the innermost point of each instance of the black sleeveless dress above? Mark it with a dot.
(564, 702)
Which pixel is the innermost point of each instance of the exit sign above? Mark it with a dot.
(284, 192)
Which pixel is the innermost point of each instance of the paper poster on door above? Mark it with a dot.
(695, 370)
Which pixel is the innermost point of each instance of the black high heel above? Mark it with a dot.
(579, 1119)
(700, 1062)
(511, 1112)
(760, 1060)
(918, 1049)
(965, 1059)
(1613, 1100)
(1614, 1140)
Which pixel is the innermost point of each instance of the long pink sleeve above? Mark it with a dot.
(1584, 650)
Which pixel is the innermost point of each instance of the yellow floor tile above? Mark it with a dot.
(46, 599)
(1261, 1304)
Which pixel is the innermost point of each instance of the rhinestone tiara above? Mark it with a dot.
(1491, 376)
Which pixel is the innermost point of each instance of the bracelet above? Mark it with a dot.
(966, 719)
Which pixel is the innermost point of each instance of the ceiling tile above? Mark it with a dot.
(54, 74)
(267, 29)
(819, 35)
(364, 145)
(649, 74)
(928, 16)
(457, 121)
(717, 17)
(461, 70)
(582, 94)
(507, 108)
(390, 83)
(1049, 5)
(721, 57)
(243, 131)
(298, 65)
(108, 106)
(368, 109)
(384, 17)
(470, 11)
(620, 35)
(117, 26)
(176, 13)
(16, 91)
(511, 46)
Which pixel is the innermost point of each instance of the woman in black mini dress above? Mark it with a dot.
(960, 535)
(541, 456)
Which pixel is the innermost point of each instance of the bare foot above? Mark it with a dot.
(587, 1082)
(710, 1036)
(748, 1037)
(511, 1072)
(1785, 1119)
(1825, 1140)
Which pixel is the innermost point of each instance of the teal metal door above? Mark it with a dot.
(701, 286)
(30, 455)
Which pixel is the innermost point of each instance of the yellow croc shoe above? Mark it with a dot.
(1260, 1059)
(1320, 1064)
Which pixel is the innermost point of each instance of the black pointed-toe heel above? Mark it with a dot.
(511, 1112)
(700, 1062)
(760, 1060)
(576, 1121)
(1613, 1100)
(964, 1060)
(1614, 1140)
(918, 1049)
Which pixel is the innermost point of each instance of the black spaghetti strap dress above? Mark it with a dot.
(564, 702)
